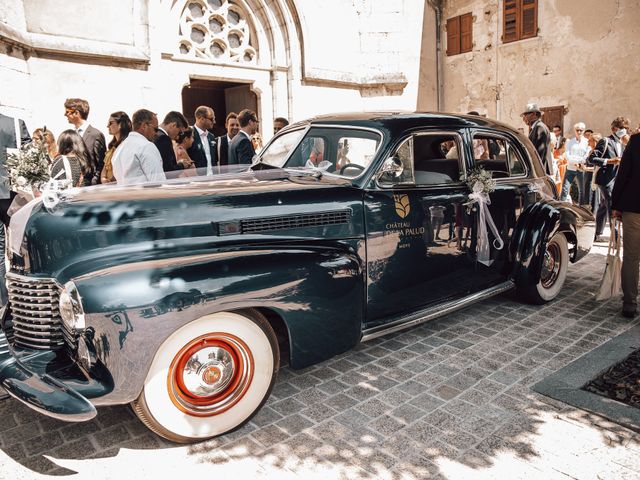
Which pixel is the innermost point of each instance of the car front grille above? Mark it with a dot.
(34, 308)
(286, 222)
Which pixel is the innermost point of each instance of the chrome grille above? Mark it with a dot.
(286, 222)
(34, 308)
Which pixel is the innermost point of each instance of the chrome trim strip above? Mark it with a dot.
(163, 263)
(434, 312)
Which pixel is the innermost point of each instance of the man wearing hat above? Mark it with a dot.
(539, 136)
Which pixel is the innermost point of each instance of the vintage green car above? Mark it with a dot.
(184, 298)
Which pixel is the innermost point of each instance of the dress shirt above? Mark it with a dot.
(82, 128)
(204, 139)
(576, 152)
(137, 160)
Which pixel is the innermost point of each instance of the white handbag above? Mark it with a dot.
(610, 285)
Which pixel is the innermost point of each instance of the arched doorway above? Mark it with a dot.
(223, 96)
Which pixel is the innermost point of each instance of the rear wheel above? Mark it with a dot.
(553, 272)
(210, 376)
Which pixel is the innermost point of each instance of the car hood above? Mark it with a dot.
(103, 226)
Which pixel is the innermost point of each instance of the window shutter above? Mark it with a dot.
(529, 23)
(510, 21)
(466, 33)
(453, 36)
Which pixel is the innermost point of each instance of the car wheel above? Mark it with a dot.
(553, 272)
(210, 376)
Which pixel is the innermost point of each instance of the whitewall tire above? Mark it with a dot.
(553, 272)
(210, 376)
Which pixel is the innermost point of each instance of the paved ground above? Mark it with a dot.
(449, 399)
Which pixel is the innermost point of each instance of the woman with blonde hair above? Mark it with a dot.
(43, 135)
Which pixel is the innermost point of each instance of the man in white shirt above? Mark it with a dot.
(576, 153)
(137, 159)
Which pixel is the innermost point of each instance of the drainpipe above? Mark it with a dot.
(437, 7)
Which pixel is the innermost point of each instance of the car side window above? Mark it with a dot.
(497, 156)
(436, 159)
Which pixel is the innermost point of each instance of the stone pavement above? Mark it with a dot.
(449, 399)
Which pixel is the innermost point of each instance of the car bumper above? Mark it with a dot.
(49, 382)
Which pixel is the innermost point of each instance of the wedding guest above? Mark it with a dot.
(77, 113)
(45, 135)
(233, 127)
(625, 202)
(181, 146)
(241, 148)
(119, 126)
(137, 159)
(13, 134)
(72, 162)
(279, 123)
(173, 123)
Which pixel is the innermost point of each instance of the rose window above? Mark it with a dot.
(216, 30)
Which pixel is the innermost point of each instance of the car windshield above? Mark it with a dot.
(339, 151)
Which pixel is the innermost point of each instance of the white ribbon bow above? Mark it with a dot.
(484, 220)
(323, 166)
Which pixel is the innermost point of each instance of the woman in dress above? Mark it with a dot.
(72, 163)
(119, 127)
(182, 143)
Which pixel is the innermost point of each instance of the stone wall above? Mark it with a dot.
(584, 58)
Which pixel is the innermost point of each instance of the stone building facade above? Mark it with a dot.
(580, 59)
(290, 58)
(299, 58)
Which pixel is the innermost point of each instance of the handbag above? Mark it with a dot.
(612, 277)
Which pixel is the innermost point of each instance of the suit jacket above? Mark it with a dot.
(8, 140)
(625, 195)
(223, 150)
(241, 150)
(541, 139)
(96, 148)
(605, 149)
(165, 147)
(196, 150)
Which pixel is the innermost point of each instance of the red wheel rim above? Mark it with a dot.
(210, 374)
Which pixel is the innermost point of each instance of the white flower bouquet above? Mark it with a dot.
(28, 167)
(480, 181)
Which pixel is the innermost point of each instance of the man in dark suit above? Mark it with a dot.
(203, 150)
(233, 127)
(606, 156)
(168, 130)
(625, 202)
(13, 134)
(77, 112)
(539, 135)
(241, 149)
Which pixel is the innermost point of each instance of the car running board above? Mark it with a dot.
(434, 311)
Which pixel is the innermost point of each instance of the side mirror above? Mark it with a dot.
(392, 168)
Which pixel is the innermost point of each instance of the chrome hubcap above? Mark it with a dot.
(208, 372)
(551, 265)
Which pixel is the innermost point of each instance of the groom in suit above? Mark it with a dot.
(241, 149)
(77, 111)
(203, 151)
(172, 125)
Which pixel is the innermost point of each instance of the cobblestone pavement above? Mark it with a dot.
(449, 399)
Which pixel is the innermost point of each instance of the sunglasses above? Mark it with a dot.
(69, 111)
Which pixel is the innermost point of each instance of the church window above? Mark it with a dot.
(218, 30)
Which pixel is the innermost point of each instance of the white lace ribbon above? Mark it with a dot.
(484, 220)
(323, 166)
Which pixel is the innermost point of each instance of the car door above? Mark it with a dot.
(420, 234)
(501, 155)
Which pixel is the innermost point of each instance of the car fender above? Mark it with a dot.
(536, 225)
(317, 291)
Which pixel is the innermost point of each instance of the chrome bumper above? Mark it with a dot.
(50, 383)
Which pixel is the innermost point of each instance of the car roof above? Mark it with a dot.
(404, 120)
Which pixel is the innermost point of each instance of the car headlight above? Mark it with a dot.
(71, 310)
